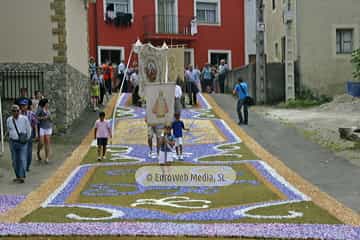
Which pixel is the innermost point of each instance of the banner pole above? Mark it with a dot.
(120, 93)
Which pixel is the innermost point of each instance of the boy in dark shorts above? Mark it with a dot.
(177, 127)
(166, 145)
(102, 134)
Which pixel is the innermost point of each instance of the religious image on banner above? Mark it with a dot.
(160, 103)
(152, 64)
(175, 64)
(160, 108)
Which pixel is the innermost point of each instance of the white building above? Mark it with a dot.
(319, 35)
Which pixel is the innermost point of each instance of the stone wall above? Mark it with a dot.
(275, 81)
(77, 94)
(247, 73)
(65, 87)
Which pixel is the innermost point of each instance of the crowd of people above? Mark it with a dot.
(211, 79)
(108, 78)
(30, 120)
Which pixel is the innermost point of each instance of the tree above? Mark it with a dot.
(355, 59)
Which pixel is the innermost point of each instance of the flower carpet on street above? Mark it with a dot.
(8, 202)
(105, 198)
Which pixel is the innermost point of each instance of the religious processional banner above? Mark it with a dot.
(160, 103)
(152, 65)
(175, 64)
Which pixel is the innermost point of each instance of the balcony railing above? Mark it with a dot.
(12, 81)
(167, 24)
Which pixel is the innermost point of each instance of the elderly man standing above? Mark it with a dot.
(19, 134)
(191, 76)
(223, 69)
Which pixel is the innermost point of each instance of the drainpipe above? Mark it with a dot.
(96, 32)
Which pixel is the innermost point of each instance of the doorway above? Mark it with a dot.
(215, 56)
(189, 57)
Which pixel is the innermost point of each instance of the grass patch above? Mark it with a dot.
(305, 98)
(312, 215)
(249, 190)
(120, 115)
(123, 109)
(219, 196)
(356, 146)
(243, 150)
(122, 112)
(224, 197)
(207, 113)
(58, 215)
(91, 156)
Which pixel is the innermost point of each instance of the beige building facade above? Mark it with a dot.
(25, 30)
(44, 46)
(77, 35)
(318, 35)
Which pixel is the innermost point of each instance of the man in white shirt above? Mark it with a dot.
(197, 75)
(178, 94)
(223, 69)
(134, 79)
(121, 72)
(19, 129)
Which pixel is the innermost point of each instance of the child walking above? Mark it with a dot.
(95, 93)
(102, 134)
(166, 144)
(177, 127)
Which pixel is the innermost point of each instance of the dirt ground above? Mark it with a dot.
(321, 124)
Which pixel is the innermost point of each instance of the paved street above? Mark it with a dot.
(87, 196)
(332, 174)
(62, 147)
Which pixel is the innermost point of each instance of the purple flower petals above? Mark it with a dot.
(8, 202)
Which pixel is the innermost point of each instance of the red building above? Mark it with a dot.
(114, 25)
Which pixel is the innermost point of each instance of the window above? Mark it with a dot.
(344, 41)
(273, 4)
(109, 53)
(207, 12)
(118, 6)
(189, 57)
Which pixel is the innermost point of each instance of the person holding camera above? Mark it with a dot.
(19, 129)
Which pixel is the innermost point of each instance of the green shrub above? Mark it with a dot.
(305, 98)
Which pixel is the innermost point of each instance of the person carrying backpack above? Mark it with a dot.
(241, 90)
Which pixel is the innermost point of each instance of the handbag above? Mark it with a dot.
(248, 100)
(22, 136)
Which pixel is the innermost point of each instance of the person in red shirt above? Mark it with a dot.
(107, 76)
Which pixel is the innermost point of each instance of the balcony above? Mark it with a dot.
(165, 27)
